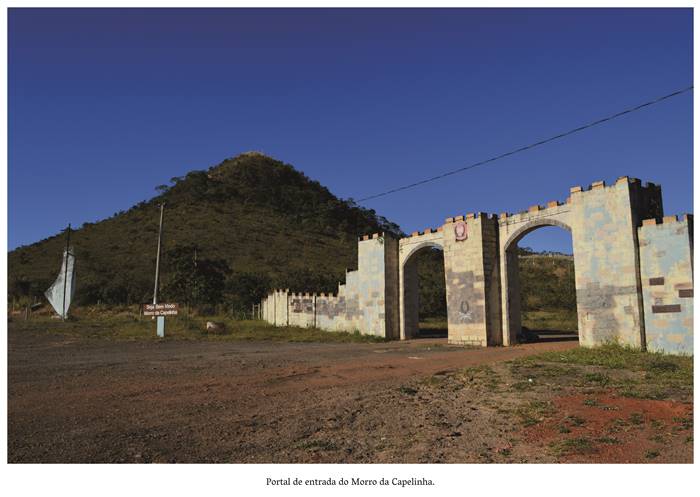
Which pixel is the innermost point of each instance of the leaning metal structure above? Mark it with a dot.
(633, 266)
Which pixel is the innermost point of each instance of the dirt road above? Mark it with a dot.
(75, 400)
(87, 401)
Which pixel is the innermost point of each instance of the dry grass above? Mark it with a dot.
(129, 326)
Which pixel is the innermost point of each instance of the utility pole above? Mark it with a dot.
(160, 235)
(160, 326)
(65, 273)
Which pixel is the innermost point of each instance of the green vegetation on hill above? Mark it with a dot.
(237, 230)
(254, 222)
(547, 289)
(546, 282)
(431, 274)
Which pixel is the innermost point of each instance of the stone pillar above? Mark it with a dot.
(666, 259)
(604, 224)
(375, 286)
(471, 268)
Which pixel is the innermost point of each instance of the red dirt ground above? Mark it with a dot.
(635, 430)
(80, 400)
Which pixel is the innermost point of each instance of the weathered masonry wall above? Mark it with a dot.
(275, 308)
(604, 224)
(301, 310)
(471, 279)
(367, 302)
(666, 257)
(634, 277)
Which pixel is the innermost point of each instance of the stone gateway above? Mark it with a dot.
(633, 267)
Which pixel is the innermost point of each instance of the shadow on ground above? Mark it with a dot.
(539, 336)
(527, 336)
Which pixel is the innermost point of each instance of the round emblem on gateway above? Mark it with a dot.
(461, 231)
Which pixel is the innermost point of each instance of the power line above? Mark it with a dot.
(324, 209)
(530, 146)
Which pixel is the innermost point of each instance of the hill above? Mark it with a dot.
(245, 225)
(547, 282)
(236, 230)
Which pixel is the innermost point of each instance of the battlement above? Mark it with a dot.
(684, 218)
(426, 231)
(375, 236)
(302, 295)
(279, 291)
(371, 236)
(551, 208)
(598, 185)
(471, 215)
(555, 206)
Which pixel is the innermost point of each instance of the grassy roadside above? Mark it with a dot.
(604, 404)
(618, 357)
(630, 372)
(126, 326)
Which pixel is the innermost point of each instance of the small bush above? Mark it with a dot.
(569, 446)
(408, 390)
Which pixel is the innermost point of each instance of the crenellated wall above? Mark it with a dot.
(666, 256)
(367, 302)
(301, 310)
(634, 280)
(606, 257)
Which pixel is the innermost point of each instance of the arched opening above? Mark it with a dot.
(424, 294)
(540, 281)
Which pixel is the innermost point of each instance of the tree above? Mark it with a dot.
(245, 289)
(192, 279)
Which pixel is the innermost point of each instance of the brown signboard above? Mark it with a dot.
(160, 309)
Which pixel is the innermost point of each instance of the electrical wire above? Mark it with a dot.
(530, 146)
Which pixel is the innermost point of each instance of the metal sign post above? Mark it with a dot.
(160, 311)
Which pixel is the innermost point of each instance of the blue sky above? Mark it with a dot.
(106, 104)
